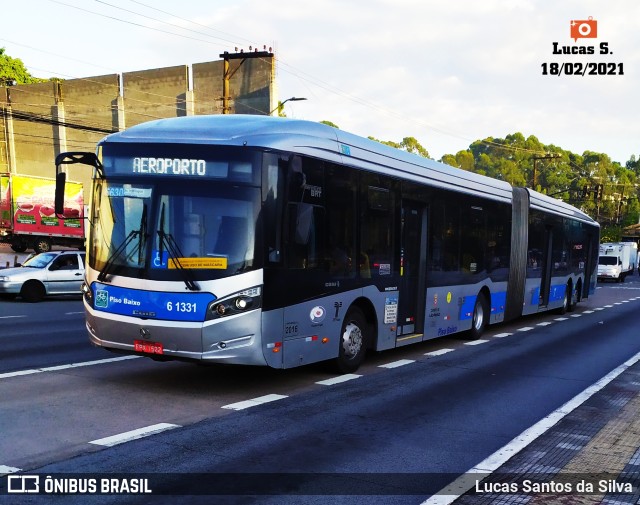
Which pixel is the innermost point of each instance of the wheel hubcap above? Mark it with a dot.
(478, 317)
(352, 340)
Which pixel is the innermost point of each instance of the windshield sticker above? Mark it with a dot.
(218, 263)
(206, 262)
(151, 304)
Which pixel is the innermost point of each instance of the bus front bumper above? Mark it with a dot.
(232, 340)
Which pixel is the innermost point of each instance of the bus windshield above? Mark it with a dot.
(173, 229)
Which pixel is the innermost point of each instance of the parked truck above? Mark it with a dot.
(27, 214)
(617, 260)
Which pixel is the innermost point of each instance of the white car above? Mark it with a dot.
(49, 273)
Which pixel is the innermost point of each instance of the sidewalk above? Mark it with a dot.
(8, 258)
(591, 456)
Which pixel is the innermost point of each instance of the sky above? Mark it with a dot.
(446, 73)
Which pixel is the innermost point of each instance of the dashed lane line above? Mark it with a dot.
(396, 364)
(476, 342)
(339, 379)
(254, 402)
(4, 469)
(134, 434)
(439, 352)
(57, 368)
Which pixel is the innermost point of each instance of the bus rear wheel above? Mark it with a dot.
(480, 319)
(354, 338)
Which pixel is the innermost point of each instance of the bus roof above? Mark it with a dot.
(322, 141)
(312, 139)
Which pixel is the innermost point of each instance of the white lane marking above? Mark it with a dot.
(545, 323)
(599, 308)
(396, 364)
(252, 403)
(134, 434)
(561, 319)
(10, 317)
(4, 469)
(502, 335)
(73, 313)
(64, 367)
(576, 315)
(337, 380)
(439, 352)
(526, 328)
(588, 312)
(476, 342)
(464, 483)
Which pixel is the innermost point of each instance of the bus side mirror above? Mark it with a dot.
(61, 179)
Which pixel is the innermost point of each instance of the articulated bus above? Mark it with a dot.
(271, 241)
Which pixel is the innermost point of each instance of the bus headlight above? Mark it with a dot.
(86, 292)
(236, 303)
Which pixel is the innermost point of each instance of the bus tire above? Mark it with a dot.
(354, 337)
(573, 299)
(567, 301)
(480, 318)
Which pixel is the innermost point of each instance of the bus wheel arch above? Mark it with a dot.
(481, 314)
(356, 336)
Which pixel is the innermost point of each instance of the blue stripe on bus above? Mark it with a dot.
(498, 301)
(556, 294)
(150, 304)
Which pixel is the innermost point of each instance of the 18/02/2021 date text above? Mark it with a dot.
(582, 68)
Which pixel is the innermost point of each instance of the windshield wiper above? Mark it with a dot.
(166, 239)
(141, 233)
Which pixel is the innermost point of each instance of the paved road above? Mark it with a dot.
(419, 410)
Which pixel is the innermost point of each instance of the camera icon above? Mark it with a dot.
(584, 29)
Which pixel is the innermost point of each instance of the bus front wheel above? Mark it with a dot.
(354, 337)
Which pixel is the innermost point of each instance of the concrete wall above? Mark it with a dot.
(39, 121)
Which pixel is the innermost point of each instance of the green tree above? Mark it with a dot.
(409, 144)
(12, 69)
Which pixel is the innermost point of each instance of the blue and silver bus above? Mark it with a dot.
(270, 241)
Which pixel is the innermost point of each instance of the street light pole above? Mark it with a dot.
(281, 104)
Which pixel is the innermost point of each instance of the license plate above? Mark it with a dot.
(148, 347)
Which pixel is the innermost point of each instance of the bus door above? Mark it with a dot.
(545, 273)
(413, 262)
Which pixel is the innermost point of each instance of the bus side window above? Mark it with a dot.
(377, 237)
(306, 236)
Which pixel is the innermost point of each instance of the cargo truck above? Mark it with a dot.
(617, 260)
(27, 214)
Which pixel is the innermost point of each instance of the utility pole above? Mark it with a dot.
(228, 74)
(535, 159)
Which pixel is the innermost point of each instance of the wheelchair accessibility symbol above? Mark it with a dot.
(160, 262)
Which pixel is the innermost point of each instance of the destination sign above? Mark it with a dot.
(174, 166)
